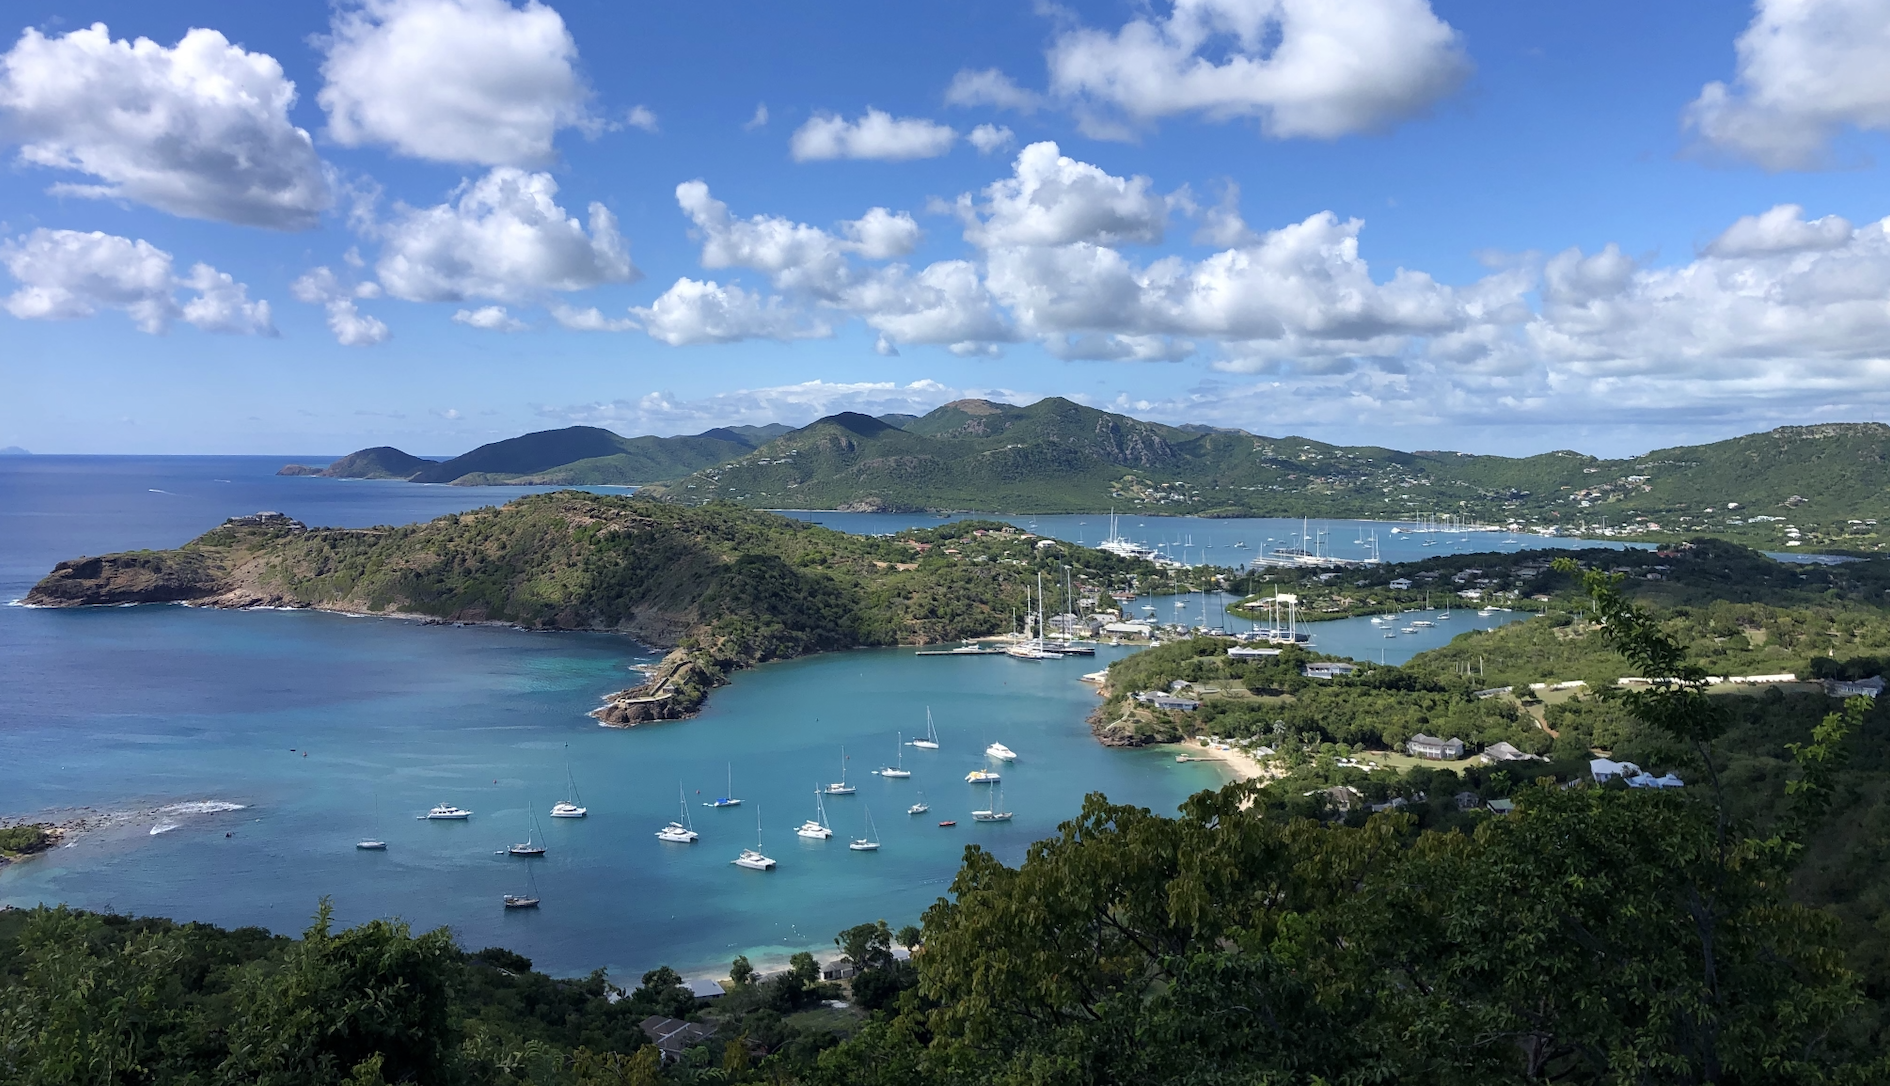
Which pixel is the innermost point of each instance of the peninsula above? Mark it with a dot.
(720, 587)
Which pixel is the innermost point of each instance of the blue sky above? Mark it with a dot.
(1496, 227)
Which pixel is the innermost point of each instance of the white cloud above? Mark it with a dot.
(1781, 230)
(200, 129)
(502, 238)
(882, 235)
(351, 328)
(1302, 67)
(591, 319)
(759, 120)
(694, 311)
(795, 256)
(946, 303)
(990, 138)
(489, 318)
(641, 117)
(877, 135)
(473, 81)
(66, 274)
(1807, 68)
(990, 87)
(1118, 348)
(1051, 199)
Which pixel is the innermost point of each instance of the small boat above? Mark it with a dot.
(841, 787)
(1409, 629)
(898, 769)
(530, 846)
(1029, 650)
(447, 812)
(995, 814)
(948, 822)
(751, 858)
(569, 808)
(728, 800)
(1422, 623)
(680, 833)
(528, 899)
(1000, 752)
(816, 828)
(1393, 636)
(374, 844)
(869, 843)
(371, 846)
(981, 776)
(930, 742)
(920, 807)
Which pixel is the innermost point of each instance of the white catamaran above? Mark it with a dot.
(751, 858)
(571, 807)
(684, 832)
(816, 828)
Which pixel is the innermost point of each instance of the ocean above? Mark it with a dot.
(230, 760)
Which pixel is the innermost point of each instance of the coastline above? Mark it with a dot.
(1236, 763)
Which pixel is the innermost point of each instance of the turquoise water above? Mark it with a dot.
(261, 745)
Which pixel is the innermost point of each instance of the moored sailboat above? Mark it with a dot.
(930, 742)
(684, 832)
(751, 858)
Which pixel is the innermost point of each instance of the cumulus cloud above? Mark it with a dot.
(473, 81)
(200, 129)
(1301, 67)
(590, 319)
(1052, 199)
(795, 256)
(990, 138)
(759, 120)
(66, 274)
(1781, 230)
(641, 117)
(877, 135)
(502, 238)
(695, 311)
(990, 87)
(489, 318)
(1806, 69)
(351, 328)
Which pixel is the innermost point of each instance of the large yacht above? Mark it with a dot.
(447, 811)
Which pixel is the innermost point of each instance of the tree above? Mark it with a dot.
(909, 936)
(740, 972)
(866, 946)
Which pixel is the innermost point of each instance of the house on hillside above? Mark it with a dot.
(1162, 700)
(1328, 669)
(1606, 769)
(1400, 583)
(1867, 688)
(672, 1035)
(1429, 746)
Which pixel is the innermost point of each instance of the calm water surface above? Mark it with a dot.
(237, 756)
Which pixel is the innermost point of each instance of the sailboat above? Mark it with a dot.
(530, 846)
(816, 828)
(930, 742)
(898, 769)
(920, 807)
(995, 814)
(1033, 649)
(684, 832)
(841, 787)
(528, 899)
(729, 799)
(869, 843)
(751, 858)
(569, 808)
(374, 844)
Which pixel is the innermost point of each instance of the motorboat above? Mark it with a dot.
(679, 833)
(930, 742)
(981, 776)
(816, 828)
(948, 822)
(727, 800)
(1422, 623)
(517, 901)
(751, 858)
(446, 812)
(1000, 752)
(371, 846)
(898, 769)
(841, 787)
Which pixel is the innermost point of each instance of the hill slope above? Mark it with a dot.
(1829, 482)
(726, 587)
(573, 456)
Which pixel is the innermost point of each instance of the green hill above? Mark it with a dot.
(724, 587)
(1825, 486)
(380, 462)
(574, 456)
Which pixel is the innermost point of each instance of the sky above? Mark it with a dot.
(302, 227)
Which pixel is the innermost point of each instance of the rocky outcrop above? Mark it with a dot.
(135, 577)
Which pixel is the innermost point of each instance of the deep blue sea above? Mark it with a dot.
(233, 758)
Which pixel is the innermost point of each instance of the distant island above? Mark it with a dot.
(14, 450)
(1825, 486)
(722, 587)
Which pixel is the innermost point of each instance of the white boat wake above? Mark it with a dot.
(163, 827)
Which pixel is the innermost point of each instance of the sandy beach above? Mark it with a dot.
(1235, 762)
